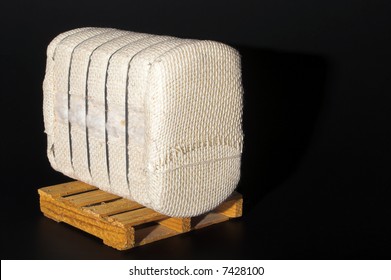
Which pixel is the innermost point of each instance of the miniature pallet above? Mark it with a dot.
(122, 223)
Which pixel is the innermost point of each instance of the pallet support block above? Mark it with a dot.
(119, 222)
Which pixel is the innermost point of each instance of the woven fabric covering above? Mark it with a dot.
(155, 119)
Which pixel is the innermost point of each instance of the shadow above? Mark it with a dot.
(283, 95)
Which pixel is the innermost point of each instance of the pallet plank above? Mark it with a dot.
(68, 189)
(92, 197)
(137, 217)
(177, 224)
(114, 207)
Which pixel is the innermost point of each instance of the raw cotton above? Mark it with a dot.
(155, 119)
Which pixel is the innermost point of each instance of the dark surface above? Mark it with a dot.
(317, 158)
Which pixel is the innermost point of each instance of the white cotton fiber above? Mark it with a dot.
(155, 119)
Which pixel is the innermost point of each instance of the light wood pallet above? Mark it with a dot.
(122, 223)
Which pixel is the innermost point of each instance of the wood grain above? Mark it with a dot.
(119, 222)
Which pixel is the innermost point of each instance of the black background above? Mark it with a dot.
(317, 158)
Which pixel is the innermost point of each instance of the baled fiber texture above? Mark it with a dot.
(154, 119)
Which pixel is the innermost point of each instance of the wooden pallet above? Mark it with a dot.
(122, 223)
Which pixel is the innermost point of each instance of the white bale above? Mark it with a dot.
(155, 119)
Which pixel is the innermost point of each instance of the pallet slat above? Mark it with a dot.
(119, 222)
(91, 197)
(137, 217)
(177, 224)
(68, 189)
(114, 207)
